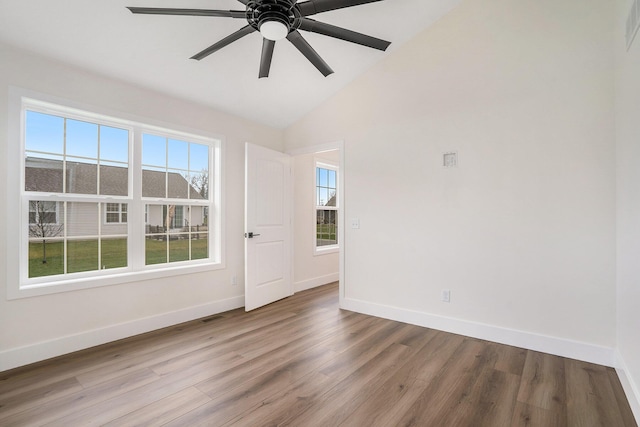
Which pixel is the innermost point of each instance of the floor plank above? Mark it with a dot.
(304, 362)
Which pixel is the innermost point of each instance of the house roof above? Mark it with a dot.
(82, 178)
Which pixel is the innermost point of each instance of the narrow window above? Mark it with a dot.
(326, 203)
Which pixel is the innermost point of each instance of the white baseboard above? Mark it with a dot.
(14, 358)
(315, 282)
(631, 388)
(530, 341)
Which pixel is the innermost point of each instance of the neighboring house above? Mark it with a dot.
(324, 216)
(46, 175)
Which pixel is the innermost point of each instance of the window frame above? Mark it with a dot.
(326, 249)
(19, 284)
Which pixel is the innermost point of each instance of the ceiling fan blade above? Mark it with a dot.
(188, 12)
(313, 26)
(224, 42)
(267, 54)
(311, 7)
(305, 48)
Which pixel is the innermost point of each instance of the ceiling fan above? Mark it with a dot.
(276, 20)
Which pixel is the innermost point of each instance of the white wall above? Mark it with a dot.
(628, 198)
(309, 269)
(39, 327)
(523, 231)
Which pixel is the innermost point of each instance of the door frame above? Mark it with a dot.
(313, 149)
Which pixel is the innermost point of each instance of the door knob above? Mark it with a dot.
(250, 235)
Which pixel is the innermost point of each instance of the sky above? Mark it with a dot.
(89, 142)
(325, 185)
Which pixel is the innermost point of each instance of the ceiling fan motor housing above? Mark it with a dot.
(281, 11)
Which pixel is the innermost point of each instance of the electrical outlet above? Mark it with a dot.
(445, 296)
(234, 280)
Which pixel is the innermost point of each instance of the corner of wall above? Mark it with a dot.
(631, 389)
(530, 341)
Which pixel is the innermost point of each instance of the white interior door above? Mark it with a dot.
(267, 226)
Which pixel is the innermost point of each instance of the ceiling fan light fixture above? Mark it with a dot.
(273, 30)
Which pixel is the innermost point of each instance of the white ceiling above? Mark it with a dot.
(153, 51)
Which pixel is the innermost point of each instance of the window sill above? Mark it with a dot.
(326, 250)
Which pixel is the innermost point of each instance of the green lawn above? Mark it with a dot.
(82, 255)
(156, 250)
(326, 232)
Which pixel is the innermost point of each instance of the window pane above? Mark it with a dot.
(199, 182)
(332, 198)
(114, 253)
(114, 144)
(178, 247)
(178, 154)
(82, 255)
(81, 176)
(199, 157)
(199, 245)
(115, 219)
(45, 219)
(155, 249)
(154, 182)
(43, 175)
(44, 132)
(198, 218)
(324, 197)
(155, 219)
(82, 219)
(175, 217)
(46, 257)
(178, 185)
(154, 150)
(322, 182)
(43, 212)
(82, 139)
(46, 238)
(332, 179)
(114, 179)
(327, 229)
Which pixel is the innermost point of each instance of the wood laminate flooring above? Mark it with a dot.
(304, 362)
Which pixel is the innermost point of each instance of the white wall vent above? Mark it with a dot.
(633, 22)
(450, 159)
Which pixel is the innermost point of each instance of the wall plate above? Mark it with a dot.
(450, 159)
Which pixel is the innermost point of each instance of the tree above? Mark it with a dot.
(43, 223)
(200, 183)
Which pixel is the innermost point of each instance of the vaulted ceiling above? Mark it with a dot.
(154, 51)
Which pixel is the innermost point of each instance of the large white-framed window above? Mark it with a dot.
(326, 208)
(108, 200)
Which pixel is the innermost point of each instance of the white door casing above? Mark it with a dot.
(267, 226)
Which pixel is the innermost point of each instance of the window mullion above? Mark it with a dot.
(135, 212)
